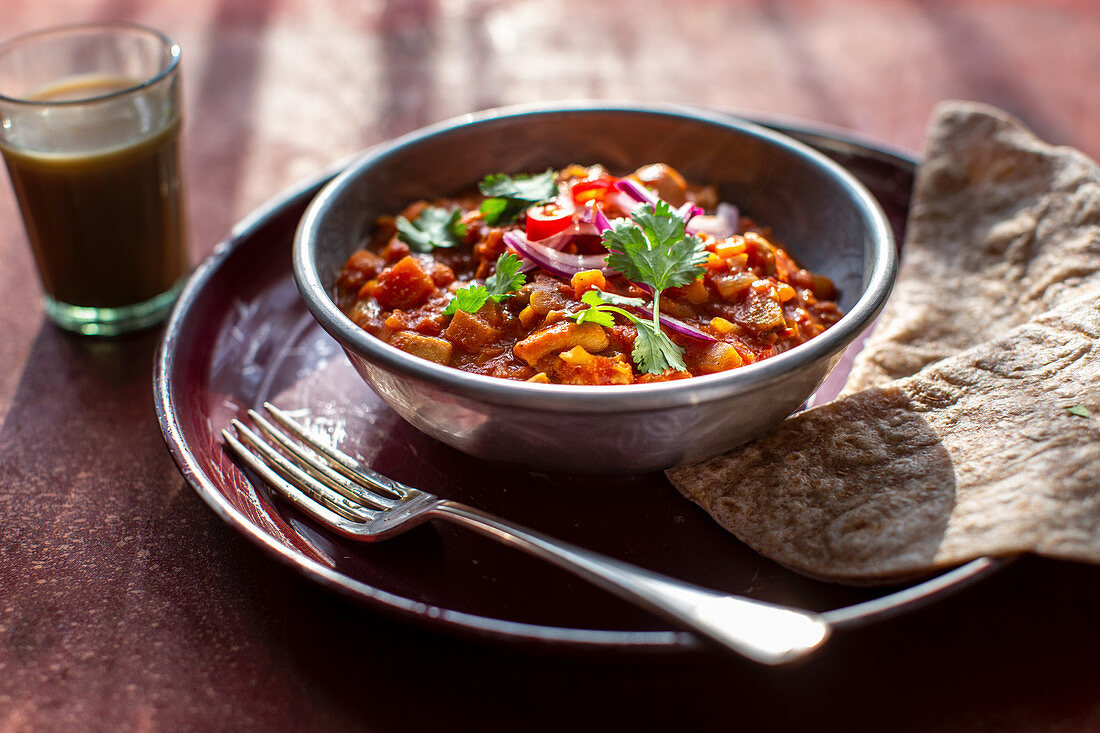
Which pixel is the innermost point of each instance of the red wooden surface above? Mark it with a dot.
(125, 603)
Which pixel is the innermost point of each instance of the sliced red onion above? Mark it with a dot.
(619, 201)
(689, 211)
(643, 195)
(636, 191)
(553, 261)
(713, 225)
(585, 227)
(675, 324)
(731, 213)
(721, 224)
(526, 265)
(593, 215)
(555, 241)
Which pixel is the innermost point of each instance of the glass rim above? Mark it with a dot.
(167, 69)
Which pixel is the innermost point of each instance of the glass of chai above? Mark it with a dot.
(89, 129)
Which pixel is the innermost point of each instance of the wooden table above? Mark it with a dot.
(126, 604)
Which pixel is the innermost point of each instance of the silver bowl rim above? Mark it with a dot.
(586, 398)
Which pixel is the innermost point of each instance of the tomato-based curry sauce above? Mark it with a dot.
(749, 300)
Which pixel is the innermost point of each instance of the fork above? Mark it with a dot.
(359, 503)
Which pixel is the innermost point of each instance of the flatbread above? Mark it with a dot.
(976, 455)
(1002, 227)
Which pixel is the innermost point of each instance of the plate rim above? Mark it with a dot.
(895, 603)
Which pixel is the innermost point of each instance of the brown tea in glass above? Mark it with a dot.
(89, 130)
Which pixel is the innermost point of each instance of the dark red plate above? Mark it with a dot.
(240, 335)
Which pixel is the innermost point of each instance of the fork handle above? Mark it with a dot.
(760, 631)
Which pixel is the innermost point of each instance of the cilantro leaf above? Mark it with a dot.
(531, 188)
(599, 297)
(510, 196)
(595, 314)
(501, 284)
(470, 299)
(654, 351)
(1079, 411)
(434, 227)
(598, 316)
(653, 248)
(507, 278)
(501, 211)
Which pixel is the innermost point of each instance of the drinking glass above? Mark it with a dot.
(89, 130)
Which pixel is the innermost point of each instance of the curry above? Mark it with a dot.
(580, 277)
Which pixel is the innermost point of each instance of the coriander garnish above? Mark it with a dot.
(509, 196)
(434, 227)
(501, 284)
(653, 351)
(652, 248)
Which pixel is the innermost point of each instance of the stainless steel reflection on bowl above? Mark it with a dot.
(823, 216)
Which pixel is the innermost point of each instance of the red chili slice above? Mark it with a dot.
(547, 220)
(593, 189)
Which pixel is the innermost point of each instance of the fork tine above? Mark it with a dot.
(322, 470)
(290, 480)
(341, 461)
(301, 499)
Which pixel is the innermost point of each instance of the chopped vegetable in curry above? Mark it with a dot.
(581, 277)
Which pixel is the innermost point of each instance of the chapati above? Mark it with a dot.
(976, 455)
(1002, 227)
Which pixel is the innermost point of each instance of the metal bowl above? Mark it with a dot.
(821, 214)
